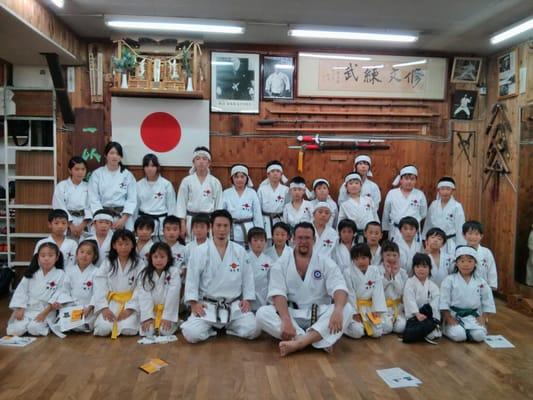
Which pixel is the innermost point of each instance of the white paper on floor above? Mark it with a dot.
(498, 342)
(16, 341)
(398, 378)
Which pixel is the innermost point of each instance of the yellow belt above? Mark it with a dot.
(368, 318)
(122, 298)
(158, 312)
(394, 303)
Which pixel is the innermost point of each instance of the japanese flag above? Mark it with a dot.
(168, 128)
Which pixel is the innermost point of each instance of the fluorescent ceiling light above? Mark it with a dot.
(410, 63)
(509, 33)
(347, 35)
(58, 3)
(170, 25)
(373, 66)
(334, 57)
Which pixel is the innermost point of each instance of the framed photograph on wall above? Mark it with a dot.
(508, 74)
(463, 104)
(235, 82)
(278, 77)
(466, 69)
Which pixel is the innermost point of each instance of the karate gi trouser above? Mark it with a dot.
(270, 322)
(356, 329)
(158, 313)
(394, 319)
(128, 326)
(29, 324)
(242, 325)
(458, 333)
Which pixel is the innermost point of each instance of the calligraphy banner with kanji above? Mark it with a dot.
(371, 75)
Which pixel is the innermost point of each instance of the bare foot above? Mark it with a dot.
(289, 346)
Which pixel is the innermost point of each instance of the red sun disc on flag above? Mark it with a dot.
(160, 132)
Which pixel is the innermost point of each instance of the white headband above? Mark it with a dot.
(321, 204)
(274, 167)
(465, 251)
(103, 217)
(408, 170)
(295, 185)
(351, 177)
(244, 170)
(319, 181)
(364, 158)
(445, 184)
(195, 154)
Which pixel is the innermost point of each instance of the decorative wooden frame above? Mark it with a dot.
(508, 74)
(371, 76)
(462, 69)
(235, 91)
(463, 104)
(268, 66)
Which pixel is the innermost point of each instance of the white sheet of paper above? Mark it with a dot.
(65, 321)
(157, 339)
(498, 342)
(16, 341)
(398, 378)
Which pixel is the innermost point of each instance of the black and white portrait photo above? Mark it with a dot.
(463, 104)
(466, 69)
(278, 77)
(234, 82)
(507, 75)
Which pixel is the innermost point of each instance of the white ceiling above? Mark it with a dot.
(453, 26)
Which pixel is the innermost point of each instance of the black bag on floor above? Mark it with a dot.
(6, 278)
(415, 330)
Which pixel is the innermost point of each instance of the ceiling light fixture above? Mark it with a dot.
(58, 3)
(171, 25)
(418, 62)
(348, 35)
(511, 32)
(334, 56)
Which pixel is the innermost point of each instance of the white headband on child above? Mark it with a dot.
(364, 158)
(465, 251)
(321, 204)
(295, 185)
(103, 217)
(318, 181)
(351, 177)
(445, 184)
(274, 167)
(195, 154)
(408, 170)
(244, 170)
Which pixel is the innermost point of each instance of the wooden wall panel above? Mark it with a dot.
(35, 163)
(524, 210)
(33, 192)
(33, 103)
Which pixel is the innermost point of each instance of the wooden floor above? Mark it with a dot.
(85, 367)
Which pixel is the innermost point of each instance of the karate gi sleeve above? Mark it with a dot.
(376, 196)
(217, 194)
(94, 193)
(385, 221)
(63, 293)
(101, 287)
(172, 298)
(258, 215)
(21, 296)
(428, 223)
(409, 300)
(170, 199)
(143, 299)
(446, 293)
(423, 206)
(194, 269)
(277, 286)
(334, 279)
(181, 202)
(342, 213)
(248, 280)
(487, 300)
(379, 303)
(58, 202)
(286, 214)
(434, 301)
(131, 195)
(352, 297)
(374, 211)
(492, 270)
(459, 222)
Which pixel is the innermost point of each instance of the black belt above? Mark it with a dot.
(221, 304)
(450, 236)
(77, 213)
(194, 213)
(242, 223)
(115, 211)
(314, 310)
(155, 216)
(272, 215)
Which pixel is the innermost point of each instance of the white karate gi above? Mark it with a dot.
(156, 198)
(143, 253)
(368, 189)
(445, 267)
(71, 197)
(165, 293)
(122, 280)
(398, 206)
(113, 189)
(79, 285)
(245, 208)
(197, 197)
(272, 202)
(34, 294)
(228, 279)
(364, 287)
(261, 267)
(360, 211)
(407, 252)
(179, 253)
(333, 219)
(394, 319)
(450, 219)
(341, 255)
(103, 248)
(416, 294)
(486, 266)
(476, 295)
(68, 249)
(292, 216)
(376, 257)
(273, 254)
(318, 287)
(325, 242)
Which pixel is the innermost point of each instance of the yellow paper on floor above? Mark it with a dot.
(154, 365)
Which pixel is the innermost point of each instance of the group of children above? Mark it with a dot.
(121, 249)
